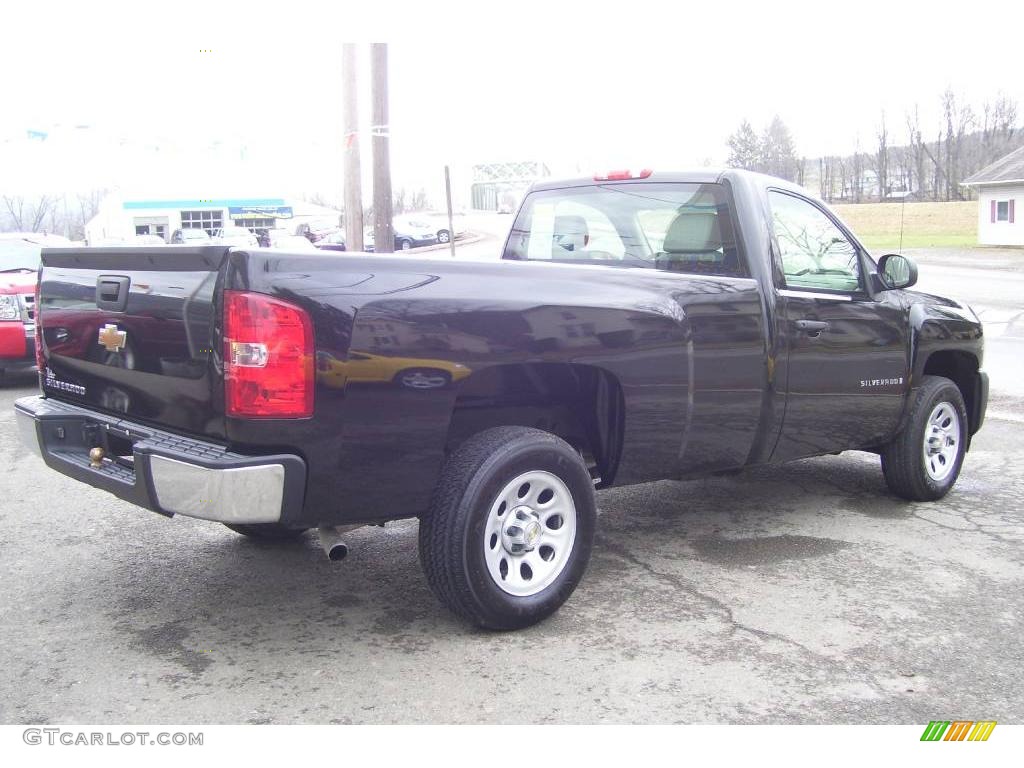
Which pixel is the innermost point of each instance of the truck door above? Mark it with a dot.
(847, 368)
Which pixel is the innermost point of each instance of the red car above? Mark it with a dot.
(19, 262)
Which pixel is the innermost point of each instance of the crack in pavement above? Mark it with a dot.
(975, 528)
(716, 604)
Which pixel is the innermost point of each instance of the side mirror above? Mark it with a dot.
(897, 271)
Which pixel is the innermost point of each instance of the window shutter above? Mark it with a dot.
(1011, 211)
(993, 219)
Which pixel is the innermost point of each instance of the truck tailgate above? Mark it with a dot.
(132, 331)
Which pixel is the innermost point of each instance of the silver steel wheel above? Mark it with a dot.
(941, 441)
(530, 532)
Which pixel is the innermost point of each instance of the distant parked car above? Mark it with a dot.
(239, 236)
(146, 240)
(315, 231)
(335, 241)
(438, 222)
(289, 242)
(190, 237)
(407, 235)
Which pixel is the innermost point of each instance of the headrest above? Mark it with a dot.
(570, 234)
(570, 225)
(693, 232)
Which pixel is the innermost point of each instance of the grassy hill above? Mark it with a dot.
(925, 225)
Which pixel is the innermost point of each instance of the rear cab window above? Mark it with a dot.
(678, 227)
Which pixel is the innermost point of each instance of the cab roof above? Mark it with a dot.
(698, 176)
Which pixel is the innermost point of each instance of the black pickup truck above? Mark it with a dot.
(638, 327)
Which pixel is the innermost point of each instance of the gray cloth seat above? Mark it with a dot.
(693, 243)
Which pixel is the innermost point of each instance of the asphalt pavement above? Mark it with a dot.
(795, 594)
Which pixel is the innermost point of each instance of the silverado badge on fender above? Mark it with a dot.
(112, 337)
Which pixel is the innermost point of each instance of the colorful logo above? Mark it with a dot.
(958, 730)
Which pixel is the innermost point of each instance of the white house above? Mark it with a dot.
(1000, 189)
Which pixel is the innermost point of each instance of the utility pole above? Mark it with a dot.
(352, 168)
(383, 228)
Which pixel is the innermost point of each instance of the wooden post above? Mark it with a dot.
(383, 226)
(448, 198)
(352, 168)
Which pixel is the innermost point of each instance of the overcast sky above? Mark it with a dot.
(586, 85)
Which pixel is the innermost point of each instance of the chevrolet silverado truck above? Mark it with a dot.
(637, 327)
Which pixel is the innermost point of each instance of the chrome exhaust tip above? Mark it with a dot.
(330, 540)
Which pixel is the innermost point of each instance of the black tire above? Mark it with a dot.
(443, 236)
(452, 533)
(268, 531)
(404, 244)
(903, 460)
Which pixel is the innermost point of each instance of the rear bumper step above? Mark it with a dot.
(161, 471)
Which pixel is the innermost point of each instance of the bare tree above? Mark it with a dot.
(959, 118)
(398, 201)
(880, 160)
(826, 178)
(857, 174)
(917, 151)
(420, 201)
(28, 215)
(998, 126)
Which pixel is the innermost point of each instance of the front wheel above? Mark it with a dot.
(923, 462)
(404, 245)
(510, 529)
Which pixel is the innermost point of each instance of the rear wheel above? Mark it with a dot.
(923, 462)
(267, 531)
(510, 530)
(443, 236)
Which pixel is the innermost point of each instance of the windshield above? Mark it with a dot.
(680, 227)
(18, 254)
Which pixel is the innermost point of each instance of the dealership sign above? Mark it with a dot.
(260, 211)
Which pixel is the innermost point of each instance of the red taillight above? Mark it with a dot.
(268, 357)
(40, 360)
(623, 175)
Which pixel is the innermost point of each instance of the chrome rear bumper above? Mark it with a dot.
(161, 471)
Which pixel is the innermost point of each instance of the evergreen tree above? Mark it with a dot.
(744, 148)
(778, 152)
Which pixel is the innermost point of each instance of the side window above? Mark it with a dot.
(816, 255)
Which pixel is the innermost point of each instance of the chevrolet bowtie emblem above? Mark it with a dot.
(112, 338)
